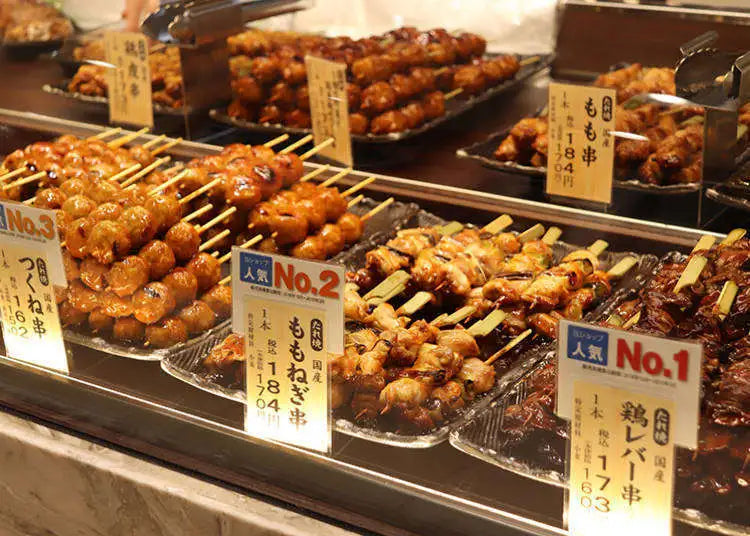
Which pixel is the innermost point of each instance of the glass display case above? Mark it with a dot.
(443, 404)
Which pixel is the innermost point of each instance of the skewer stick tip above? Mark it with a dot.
(377, 209)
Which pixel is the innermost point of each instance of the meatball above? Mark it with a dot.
(335, 204)
(82, 298)
(128, 329)
(114, 305)
(268, 180)
(104, 191)
(287, 166)
(314, 209)
(128, 275)
(100, 322)
(313, 247)
(78, 206)
(206, 269)
(166, 211)
(77, 235)
(166, 333)
(153, 302)
(75, 186)
(197, 316)
(377, 98)
(70, 265)
(333, 239)
(70, 316)
(159, 257)
(248, 90)
(242, 192)
(108, 242)
(52, 198)
(219, 299)
(93, 274)
(184, 240)
(358, 123)
(351, 226)
(106, 211)
(140, 224)
(183, 284)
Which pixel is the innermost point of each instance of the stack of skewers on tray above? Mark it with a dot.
(144, 245)
(396, 81)
(701, 297)
(671, 154)
(438, 314)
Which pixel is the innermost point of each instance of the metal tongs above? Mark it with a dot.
(190, 23)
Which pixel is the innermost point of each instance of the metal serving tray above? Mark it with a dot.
(61, 89)
(187, 364)
(482, 152)
(453, 108)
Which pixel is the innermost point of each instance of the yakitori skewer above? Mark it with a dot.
(119, 142)
(166, 184)
(508, 347)
(166, 146)
(314, 173)
(377, 209)
(105, 134)
(356, 200)
(696, 264)
(276, 140)
(25, 180)
(322, 145)
(125, 172)
(145, 171)
(357, 187)
(155, 141)
(218, 238)
(334, 178)
(300, 142)
(221, 217)
(205, 208)
(203, 189)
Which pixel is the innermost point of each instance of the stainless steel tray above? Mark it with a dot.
(453, 108)
(61, 89)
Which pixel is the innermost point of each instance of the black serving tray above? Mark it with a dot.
(453, 108)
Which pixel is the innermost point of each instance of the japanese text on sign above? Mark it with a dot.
(129, 81)
(290, 312)
(30, 267)
(633, 361)
(329, 108)
(580, 159)
(621, 462)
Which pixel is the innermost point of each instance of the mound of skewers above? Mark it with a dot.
(144, 246)
(396, 81)
(471, 289)
(672, 152)
(703, 297)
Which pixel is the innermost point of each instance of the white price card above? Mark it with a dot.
(329, 107)
(30, 268)
(129, 79)
(635, 362)
(291, 314)
(581, 147)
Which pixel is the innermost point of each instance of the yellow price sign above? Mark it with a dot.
(621, 462)
(581, 146)
(129, 79)
(329, 107)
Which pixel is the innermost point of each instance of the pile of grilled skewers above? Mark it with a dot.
(673, 152)
(704, 297)
(144, 246)
(23, 21)
(395, 81)
(164, 64)
(463, 292)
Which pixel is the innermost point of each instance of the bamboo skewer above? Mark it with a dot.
(354, 201)
(12, 174)
(166, 184)
(529, 60)
(221, 217)
(145, 171)
(208, 243)
(153, 142)
(276, 140)
(696, 264)
(508, 347)
(334, 178)
(314, 173)
(25, 180)
(197, 213)
(358, 187)
(206, 187)
(105, 134)
(298, 143)
(166, 146)
(317, 149)
(125, 172)
(377, 209)
(254, 240)
(453, 93)
(119, 142)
